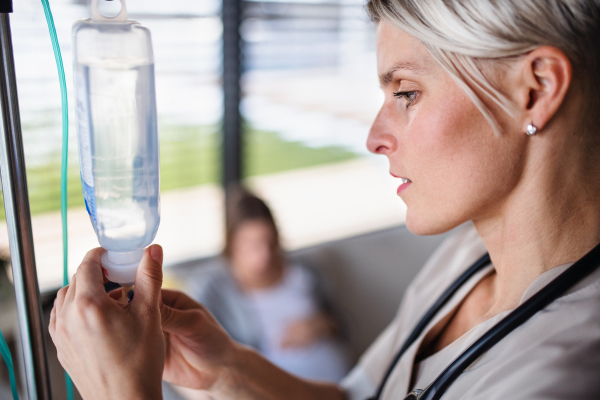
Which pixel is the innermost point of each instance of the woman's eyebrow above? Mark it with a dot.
(387, 77)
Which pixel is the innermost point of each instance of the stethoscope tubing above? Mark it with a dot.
(433, 310)
(556, 288)
(553, 290)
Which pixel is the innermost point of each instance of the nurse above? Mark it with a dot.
(490, 120)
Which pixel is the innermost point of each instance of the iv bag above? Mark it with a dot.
(118, 137)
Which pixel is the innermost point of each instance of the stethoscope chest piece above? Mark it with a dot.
(414, 395)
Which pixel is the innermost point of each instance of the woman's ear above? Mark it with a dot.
(546, 73)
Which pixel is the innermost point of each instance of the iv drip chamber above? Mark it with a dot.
(118, 136)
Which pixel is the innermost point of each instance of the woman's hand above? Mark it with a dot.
(117, 351)
(307, 331)
(198, 350)
(200, 355)
(110, 349)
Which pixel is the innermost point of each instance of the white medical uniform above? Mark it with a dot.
(553, 356)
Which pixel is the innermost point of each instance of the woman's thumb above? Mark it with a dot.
(149, 276)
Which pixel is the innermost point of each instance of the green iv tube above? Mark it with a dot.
(4, 350)
(64, 157)
(9, 364)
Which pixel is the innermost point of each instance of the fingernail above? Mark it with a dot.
(156, 253)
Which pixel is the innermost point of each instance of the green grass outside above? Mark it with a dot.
(190, 157)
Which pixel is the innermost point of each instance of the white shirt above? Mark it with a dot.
(275, 309)
(554, 355)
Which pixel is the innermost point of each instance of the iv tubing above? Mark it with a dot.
(18, 222)
(4, 349)
(64, 157)
(9, 365)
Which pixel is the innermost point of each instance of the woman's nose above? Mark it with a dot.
(380, 139)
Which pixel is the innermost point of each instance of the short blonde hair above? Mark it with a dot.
(460, 34)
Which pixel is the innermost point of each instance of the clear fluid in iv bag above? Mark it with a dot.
(119, 152)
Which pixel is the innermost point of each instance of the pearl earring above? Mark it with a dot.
(531, 129)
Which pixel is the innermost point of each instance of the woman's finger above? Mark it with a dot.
(178, 300)
(148, 279)
(116, 294)
(90, 277)
(60, 298)
(52, 324)
(70, 296)
(174, 320)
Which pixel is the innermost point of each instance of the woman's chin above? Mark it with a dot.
(423, 226)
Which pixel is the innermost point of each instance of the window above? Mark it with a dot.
(311, 92)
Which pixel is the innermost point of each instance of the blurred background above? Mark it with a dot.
(309, 92)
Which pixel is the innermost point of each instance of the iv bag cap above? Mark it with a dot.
(97, 16)
(120, 267)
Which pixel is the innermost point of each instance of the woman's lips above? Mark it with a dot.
(405, 184)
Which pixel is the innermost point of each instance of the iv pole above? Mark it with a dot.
(18, 221)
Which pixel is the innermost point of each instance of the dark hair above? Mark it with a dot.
(242, 206)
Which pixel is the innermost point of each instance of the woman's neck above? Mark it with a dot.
(551, 219)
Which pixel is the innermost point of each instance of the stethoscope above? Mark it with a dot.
(556, 288)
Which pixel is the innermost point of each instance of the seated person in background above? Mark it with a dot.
(266, 303)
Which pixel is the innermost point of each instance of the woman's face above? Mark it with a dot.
(252, 250)
(434, 136)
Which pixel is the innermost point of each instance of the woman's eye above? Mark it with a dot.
(409, 97)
